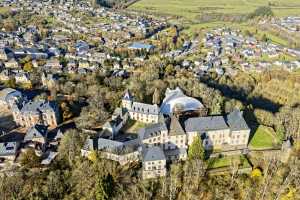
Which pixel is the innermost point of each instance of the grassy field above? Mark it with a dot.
(4, 10)
(227, 161)
(264, 137)
(190, 9)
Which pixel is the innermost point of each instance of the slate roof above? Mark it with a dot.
(152, 130)
(153, 154)
(113, 123)
(101, 144)
(145, 108)
(7, 93)
(36, 131)
(205, 124)
(233, 121)
(175, 152)
(8, 148)
(138, 45)
(175, 127)
(236, 121)
(37, 106)
(128, 96)
(59, 135)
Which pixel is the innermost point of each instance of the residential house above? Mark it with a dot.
(141, 46)
(22, 77)
(9, 150)
(53, 65)
(12, 64)
(3, 55)
(9, 97)
(37, 134)
(5, 75)
(49, 80)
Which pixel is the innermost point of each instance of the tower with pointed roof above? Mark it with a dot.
(127, 100)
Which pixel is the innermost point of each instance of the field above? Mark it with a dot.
(190, 9)
(227, 161)
(4, 10)
(264, 137)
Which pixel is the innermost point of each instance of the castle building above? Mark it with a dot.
(170, 131)
(30, 113)
(219, 132)
(169, 136)
(154, 163)
(146, 113)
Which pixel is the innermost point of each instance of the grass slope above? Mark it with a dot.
(264, 137)
(189, 9)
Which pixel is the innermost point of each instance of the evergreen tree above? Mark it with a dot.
(104, 187)
(196, 150)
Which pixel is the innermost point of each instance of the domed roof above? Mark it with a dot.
(175, 99)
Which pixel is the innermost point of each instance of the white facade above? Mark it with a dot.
(154, 169)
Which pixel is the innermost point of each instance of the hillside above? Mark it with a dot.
(194, 9)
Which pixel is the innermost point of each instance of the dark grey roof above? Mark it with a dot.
(36, 106)
(138, 45)
(8, 148)
(236, 121)
(175, 152)
(8, 93)
(153, 154)
(36, 131)
(145, 108)
(128, 96)
(113, 123)
(59, 135)
(205, 124)
(119, 112)
(152, 130)
(101, 144)
(175, 127)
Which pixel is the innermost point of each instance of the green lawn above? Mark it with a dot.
(4, 10)
(190, 9)
(264, 137)
(227, 161)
